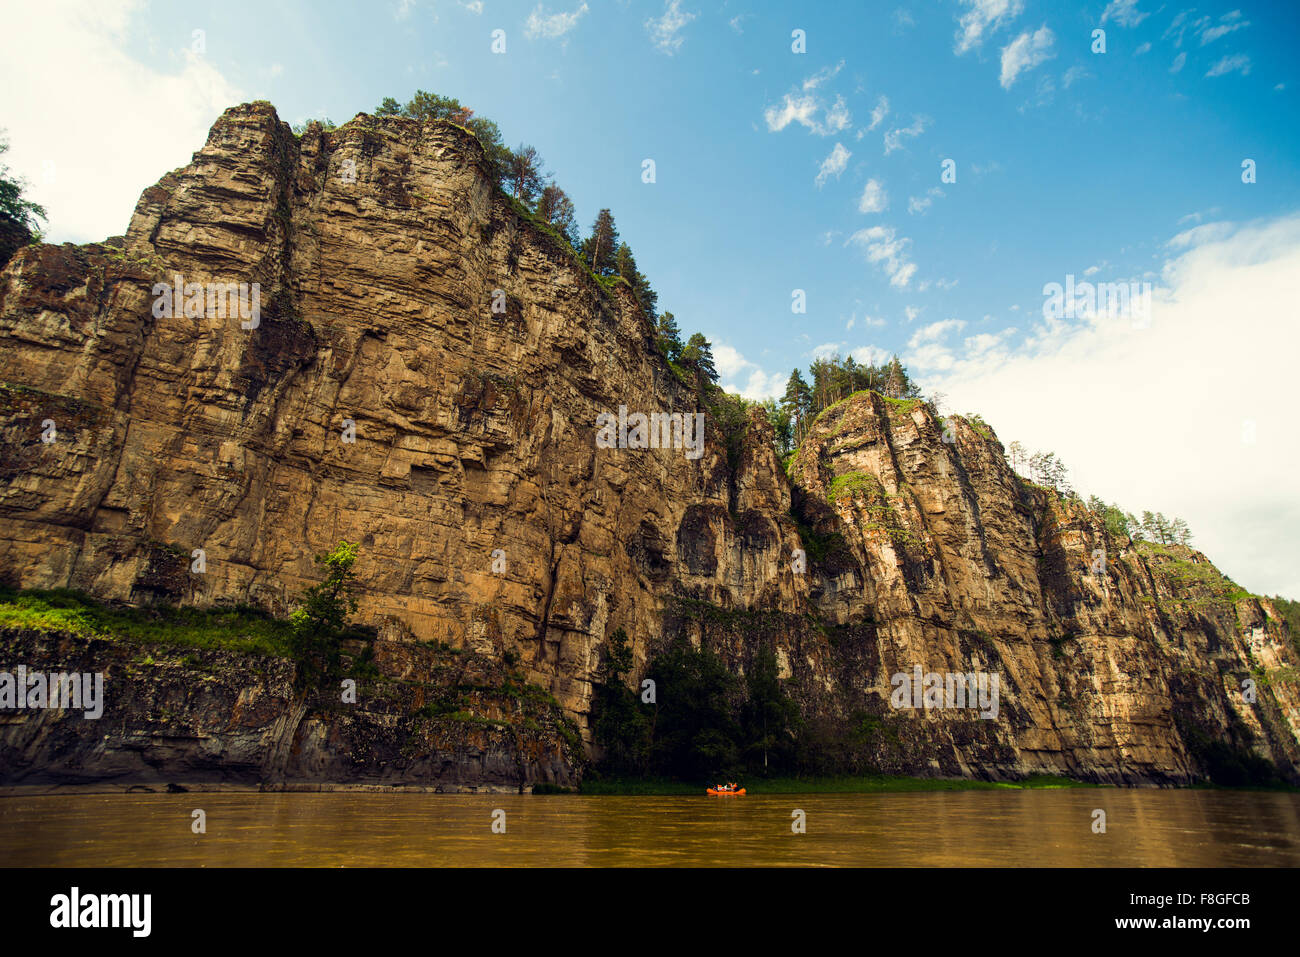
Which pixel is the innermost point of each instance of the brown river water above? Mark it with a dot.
(951, 829)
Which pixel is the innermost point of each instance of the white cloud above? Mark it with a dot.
(920, 204)
(803, 109)
(1074, 74)
(1178, 62)
(666, 31)
(981, 16)
(834, 164)
(733, 367)
(894, 138)
(551, 26)
(1238, 63)
(117, 100)
(838, 117)
(935, 331)
(874, 198)
(821, 76)
(729, 361)
(1179, 26)
(1228, 23)
(911, 312)
(1123, 12)
(403, 10)
(473, 6)
(1142, 48)
(870, 355)
(883, 247)
(736, 21)
(879, 112)
(1178, 464)
(1024, 53)
(1198, 235)
(793, 109)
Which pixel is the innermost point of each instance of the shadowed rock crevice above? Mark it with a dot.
(475, 431)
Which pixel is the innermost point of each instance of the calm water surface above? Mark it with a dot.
(997, 828)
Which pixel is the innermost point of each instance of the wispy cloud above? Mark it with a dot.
(1228, 23)
(551, 26)
(834, 164)
(1123, 12)
(983, 16)
(874, 199)
(883, 247)
(666, 31)
(894, 138)
(1238, 63)
(920, 204)
(1074, 74)
(804, 109)
(821, 76)
(1026, 52)
(1178, 63)
(935, 331)
(879, 112)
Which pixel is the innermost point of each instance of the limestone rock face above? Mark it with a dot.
(376, 395)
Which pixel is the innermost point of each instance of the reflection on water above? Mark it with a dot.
(984, 828)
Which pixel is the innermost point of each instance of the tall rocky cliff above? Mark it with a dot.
(489, 518)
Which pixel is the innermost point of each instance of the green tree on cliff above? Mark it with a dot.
(797, 404)
(625, 266)
(556, 209)
(698, 358)
(17, 215)
(601, 246)
(434, 106)
(668, 337)
(524, 173)
(321, 619)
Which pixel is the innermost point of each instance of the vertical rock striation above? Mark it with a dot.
(490, 520)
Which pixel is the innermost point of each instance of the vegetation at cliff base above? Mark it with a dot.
(320, 622)
(240, 628)
(703, 719)
(312, 635)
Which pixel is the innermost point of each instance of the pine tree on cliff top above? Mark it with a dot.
(602, 244)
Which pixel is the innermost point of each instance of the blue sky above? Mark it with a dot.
(1115, 166)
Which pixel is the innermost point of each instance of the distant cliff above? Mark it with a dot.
(490, 519)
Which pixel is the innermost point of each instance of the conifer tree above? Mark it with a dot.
(668, 337)
(524, 173)
(555, 207)
(601, 245)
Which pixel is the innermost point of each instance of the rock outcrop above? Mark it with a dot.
(378, 396)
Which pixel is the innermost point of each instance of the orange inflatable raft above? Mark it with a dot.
(716, 793)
